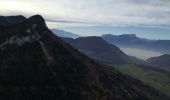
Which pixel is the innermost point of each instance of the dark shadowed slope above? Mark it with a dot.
(37, 65)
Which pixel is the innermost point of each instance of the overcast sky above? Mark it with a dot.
(67, 14)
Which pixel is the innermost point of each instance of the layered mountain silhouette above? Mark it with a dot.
(132, 41)
(62, 33)
(99, 49)
(161, 61)
(37, 65)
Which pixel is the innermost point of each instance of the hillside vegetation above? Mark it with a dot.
(157, 79)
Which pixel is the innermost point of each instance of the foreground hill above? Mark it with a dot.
(132, 41)
(161, 61)
(37, 65)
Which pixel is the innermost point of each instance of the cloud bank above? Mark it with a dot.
(67, 13)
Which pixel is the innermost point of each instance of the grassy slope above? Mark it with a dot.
(157, 79)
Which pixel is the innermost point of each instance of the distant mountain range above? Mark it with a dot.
(132, 41)
(127, 41)
(99, 49)
(62, 33)
(35, 64)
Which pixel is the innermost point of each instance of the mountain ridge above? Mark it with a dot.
(97, 48)
(62, 33)
(47, 68)
(10, 20)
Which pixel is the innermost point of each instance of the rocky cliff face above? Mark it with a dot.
(37, 65)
